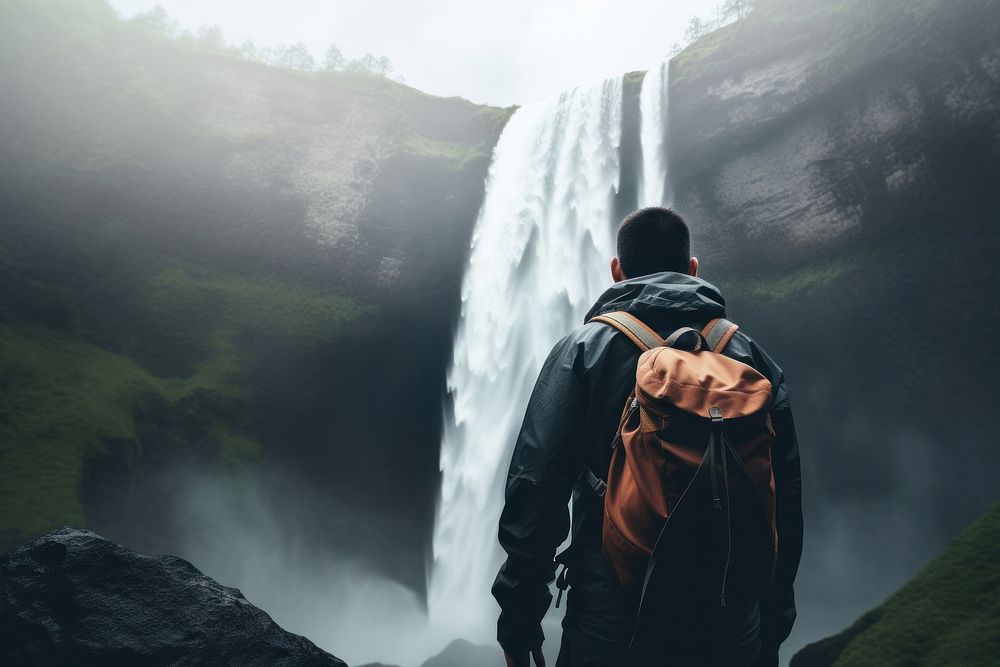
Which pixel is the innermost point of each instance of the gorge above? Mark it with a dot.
(216, 275)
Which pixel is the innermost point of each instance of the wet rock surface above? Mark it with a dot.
(813, 124)
(73, 597)
(459, 653)
(837, 162)
(462, 653)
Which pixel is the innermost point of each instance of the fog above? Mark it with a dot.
(232, 290)
(499, 53)
(335, 599)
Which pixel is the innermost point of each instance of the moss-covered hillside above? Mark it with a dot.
(949, 614)
(205, 262)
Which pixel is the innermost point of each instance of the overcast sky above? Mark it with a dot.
(489, 51)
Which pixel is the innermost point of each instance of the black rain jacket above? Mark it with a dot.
(570, 421)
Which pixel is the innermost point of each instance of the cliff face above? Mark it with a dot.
(209, 268)
(838, 163)
(811, 125)
(213, 269)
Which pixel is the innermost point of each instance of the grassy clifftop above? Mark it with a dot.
(949, 614)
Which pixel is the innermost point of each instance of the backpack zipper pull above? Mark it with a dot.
(633, 406)
(715, 438)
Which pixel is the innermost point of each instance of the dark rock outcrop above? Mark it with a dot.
(460, 653)
(837, 163)
(72, 597)
(811, 124)
(463, 653)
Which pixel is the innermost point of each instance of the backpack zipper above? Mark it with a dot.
(713, 465)
(729, 523)
(716, 416)
(720, 442)
(633, 406)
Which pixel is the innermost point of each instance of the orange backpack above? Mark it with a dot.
(689, 499)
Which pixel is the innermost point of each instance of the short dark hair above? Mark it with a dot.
(651, 240)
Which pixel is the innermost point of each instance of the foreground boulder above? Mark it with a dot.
(73, 597)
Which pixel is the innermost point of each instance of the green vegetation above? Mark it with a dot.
(814, 276)
(189, 238)
(701, 55)
(59, 397)
(63, 400)
(145, 83)
(634, 78)
(456, 155)
(160, 277)
(719, 50)
(226, 305)
(948, 615)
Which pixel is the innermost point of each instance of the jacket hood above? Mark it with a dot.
(663, 299)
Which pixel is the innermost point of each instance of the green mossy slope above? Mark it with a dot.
(64, 401)
(948, 615)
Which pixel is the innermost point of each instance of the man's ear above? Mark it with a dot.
(693, 267)
(616, 270)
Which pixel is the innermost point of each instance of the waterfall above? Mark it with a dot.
(653, 190)
(539, 258)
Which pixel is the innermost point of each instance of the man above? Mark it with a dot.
(571, 419)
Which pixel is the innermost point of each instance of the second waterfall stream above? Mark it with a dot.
(539, 259)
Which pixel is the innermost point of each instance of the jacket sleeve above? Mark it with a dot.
(778, 608)
(535, 518)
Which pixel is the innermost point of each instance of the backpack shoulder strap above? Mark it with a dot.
(631, 326)
(718, 332)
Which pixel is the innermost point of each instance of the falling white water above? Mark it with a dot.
(653, 123)
(539, 259)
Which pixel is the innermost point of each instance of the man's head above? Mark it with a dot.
(652, 240)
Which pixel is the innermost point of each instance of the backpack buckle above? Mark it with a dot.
(596, 484)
